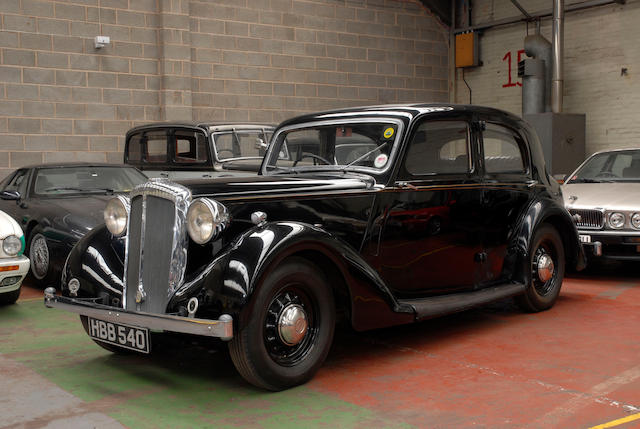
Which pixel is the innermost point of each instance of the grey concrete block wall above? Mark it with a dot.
(203, 60)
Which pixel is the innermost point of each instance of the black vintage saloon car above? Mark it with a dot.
(384, 215)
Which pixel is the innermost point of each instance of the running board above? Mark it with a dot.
(435, 306)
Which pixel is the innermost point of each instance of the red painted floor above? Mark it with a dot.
(574, 366)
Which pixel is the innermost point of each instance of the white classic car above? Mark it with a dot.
(603, 196)
(13, 264)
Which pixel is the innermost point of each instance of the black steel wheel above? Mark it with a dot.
(285, 333)
(547, 266)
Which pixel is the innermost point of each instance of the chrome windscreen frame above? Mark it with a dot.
(181, 197)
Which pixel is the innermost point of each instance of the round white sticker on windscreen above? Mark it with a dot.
(381, 160)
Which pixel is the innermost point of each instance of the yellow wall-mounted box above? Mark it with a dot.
(467, 50)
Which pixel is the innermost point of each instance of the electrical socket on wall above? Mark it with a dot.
(101, 41)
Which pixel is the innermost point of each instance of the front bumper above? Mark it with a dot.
(221, 328)
(22, 263)
(620, 245)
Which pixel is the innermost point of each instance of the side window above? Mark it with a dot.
(18, 183)
(156, 147)
(148, 147)
(503, 150)
(191, 147)
(439, 147)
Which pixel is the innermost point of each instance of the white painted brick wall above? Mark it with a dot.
(598, 43)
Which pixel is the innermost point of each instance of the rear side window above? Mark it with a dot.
(503, 150)
(191, 147)
(148, 147)
(439, 147)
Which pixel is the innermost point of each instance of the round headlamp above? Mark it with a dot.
(616, 220)
(635, 220)
(116, 214)
(12, 245)
(206, 219)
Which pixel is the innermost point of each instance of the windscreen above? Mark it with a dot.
(618, 166)
(81, 180)
(367, 145)
(234, 144)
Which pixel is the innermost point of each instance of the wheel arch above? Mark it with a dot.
(564, 225)
(358, 290)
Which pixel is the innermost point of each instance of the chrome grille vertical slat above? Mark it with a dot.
(158, 224)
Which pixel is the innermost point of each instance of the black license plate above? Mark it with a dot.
(128, 337)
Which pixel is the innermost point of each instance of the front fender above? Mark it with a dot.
(233, 275)
(97, 261)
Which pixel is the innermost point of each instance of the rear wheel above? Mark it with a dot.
(9, 297)
(547, 265)
(288, 328)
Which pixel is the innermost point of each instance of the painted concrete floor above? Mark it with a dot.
(575, 366)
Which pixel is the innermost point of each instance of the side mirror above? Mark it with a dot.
(10, 195)
(260, 144)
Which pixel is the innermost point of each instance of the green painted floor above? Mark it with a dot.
(184, 385)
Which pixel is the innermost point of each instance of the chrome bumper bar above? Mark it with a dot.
(221, 328)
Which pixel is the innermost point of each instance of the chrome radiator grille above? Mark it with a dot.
(156, 245)
(593, 219)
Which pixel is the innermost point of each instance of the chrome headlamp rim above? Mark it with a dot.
(117, 227)
(219, 220)
(635, 220)
(616, 224)
(11, 245)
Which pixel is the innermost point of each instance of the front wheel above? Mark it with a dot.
(39, 255)
(547, 265)
(287, 328)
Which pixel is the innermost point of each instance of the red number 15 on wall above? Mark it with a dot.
(507, 57)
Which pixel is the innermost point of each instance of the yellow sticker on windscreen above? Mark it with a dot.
(388, 133)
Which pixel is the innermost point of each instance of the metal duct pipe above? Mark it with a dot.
(557, 42)
(538, 47)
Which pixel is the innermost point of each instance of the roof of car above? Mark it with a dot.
(212, 126)
(411, 109)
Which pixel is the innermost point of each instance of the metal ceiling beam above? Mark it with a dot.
(524, 12)
(538, 15)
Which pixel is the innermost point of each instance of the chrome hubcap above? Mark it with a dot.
(544, 267)
(39, 255)
(292, 324)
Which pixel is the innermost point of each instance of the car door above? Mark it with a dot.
(507, 189)
(430, 239)
(18, 182)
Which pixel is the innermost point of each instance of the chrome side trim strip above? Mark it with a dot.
(221, 328)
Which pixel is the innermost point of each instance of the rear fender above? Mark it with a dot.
(546, 211)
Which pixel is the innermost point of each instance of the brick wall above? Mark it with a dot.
(227, 60)
(598, 44)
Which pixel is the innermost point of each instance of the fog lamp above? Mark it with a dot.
(206, 219)
(10, 280)
(11, 245)
(74, 287)
(116, 214)
(616, 220)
